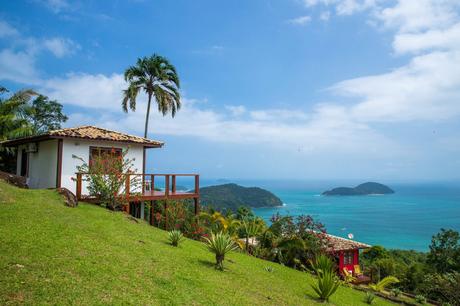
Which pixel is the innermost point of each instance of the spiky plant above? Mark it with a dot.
(387, 281)
(327, 285)
(175, 237)
(420, 299)
(220, 244)
(322, 263)
(396, 292)
(369, 298)
(249, 229)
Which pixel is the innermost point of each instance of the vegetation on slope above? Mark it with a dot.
(362, 189)
(55, 254)
(232, 196)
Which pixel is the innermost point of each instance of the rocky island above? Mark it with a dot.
(232, 196)
(368, 188)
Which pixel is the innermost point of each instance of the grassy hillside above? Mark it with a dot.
(52, 254)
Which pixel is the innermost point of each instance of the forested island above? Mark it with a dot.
(232, 196)
(368, 188)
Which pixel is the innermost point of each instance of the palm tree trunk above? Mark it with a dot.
(147, 116)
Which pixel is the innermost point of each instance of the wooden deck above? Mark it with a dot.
(149, 190)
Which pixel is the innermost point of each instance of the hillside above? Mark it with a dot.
(232, 196)
(362, 189)
(52, 254)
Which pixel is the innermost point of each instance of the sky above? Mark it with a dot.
(286, 89)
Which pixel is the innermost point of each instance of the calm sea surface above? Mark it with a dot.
(404, 220)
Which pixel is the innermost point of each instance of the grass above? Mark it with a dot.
(52, 254)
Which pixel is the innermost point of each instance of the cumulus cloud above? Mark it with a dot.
(7, 30)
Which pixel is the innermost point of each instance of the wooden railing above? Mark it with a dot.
(148, 185)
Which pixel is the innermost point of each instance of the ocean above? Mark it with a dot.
(406, 219)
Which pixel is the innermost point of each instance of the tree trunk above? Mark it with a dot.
(220, 262)
(147, 116)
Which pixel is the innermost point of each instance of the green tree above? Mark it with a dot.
(45, 115)
(158, 78)
(444, 253)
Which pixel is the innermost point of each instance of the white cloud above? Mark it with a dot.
(18, 67)
(236, 110)
(60, 47)
(303, 20)
(344, 7)
(7, 30)
(56, 6)
(325, 16)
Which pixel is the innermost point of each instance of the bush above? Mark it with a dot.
(175, 237)
(327, 285)
(420, 299)
(369, 298)
(396, 292)
(220, 244)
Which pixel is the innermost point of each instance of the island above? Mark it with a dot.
(231, 196)
(368, 188)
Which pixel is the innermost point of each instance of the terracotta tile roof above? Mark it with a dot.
(87, 132)
(341, 244)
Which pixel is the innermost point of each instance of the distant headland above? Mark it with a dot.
(368, 188)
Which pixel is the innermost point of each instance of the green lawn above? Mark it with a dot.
(52, 254)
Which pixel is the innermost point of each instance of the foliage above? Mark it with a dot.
(45, 115)
(369, 298)
(348, 277)
(175, 237)
(321, 264)
(396, 292)
(269, 269)
(420, 299)
(232, 196)
(326, 286)
(442, 287)
(249, 228)
(374, 253)
(107, 177)
(158, 78)
(220, 244)
(384, 283)
(444, 253)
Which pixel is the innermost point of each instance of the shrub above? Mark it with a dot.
(220, 244)
(369, 298)
(420, 299)
(322, 263)
(269, 269)
(387, 281)
(396, 292)
(175, 237)
(327, 285)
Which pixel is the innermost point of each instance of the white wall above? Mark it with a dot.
(42, 165)
(80, 148)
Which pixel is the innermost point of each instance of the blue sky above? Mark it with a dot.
(307, 89)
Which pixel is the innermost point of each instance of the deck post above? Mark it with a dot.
(127, 185)
(78, 190)
(166, 213)
(173, 183)
(152, 182)
(166, 185)
(197, 184)
(197, 205)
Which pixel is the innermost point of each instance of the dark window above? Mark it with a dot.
(348, 257)
(24, 162)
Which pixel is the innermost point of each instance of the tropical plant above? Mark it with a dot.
(220, 244)
(369, 298)
(444, 253)
(158, 78)
(269, 269)
(420, 299)
(326, 286)
(384, 283)
(250, 229)
(348, 277)
(322, 263)
(107, 176)
(45, 115)
(175, 237)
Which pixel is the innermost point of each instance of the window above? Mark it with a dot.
(95, 152)
(348, 257)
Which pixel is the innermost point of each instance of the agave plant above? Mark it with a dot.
(369, 298)
(387, 281)
(220, 244)
(327, 285)
(175, 237)
(322, 263)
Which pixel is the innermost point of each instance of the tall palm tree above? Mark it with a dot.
(158, 78)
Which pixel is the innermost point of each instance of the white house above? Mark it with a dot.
(47, 160)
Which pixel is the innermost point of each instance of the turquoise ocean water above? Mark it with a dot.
(404, 220)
